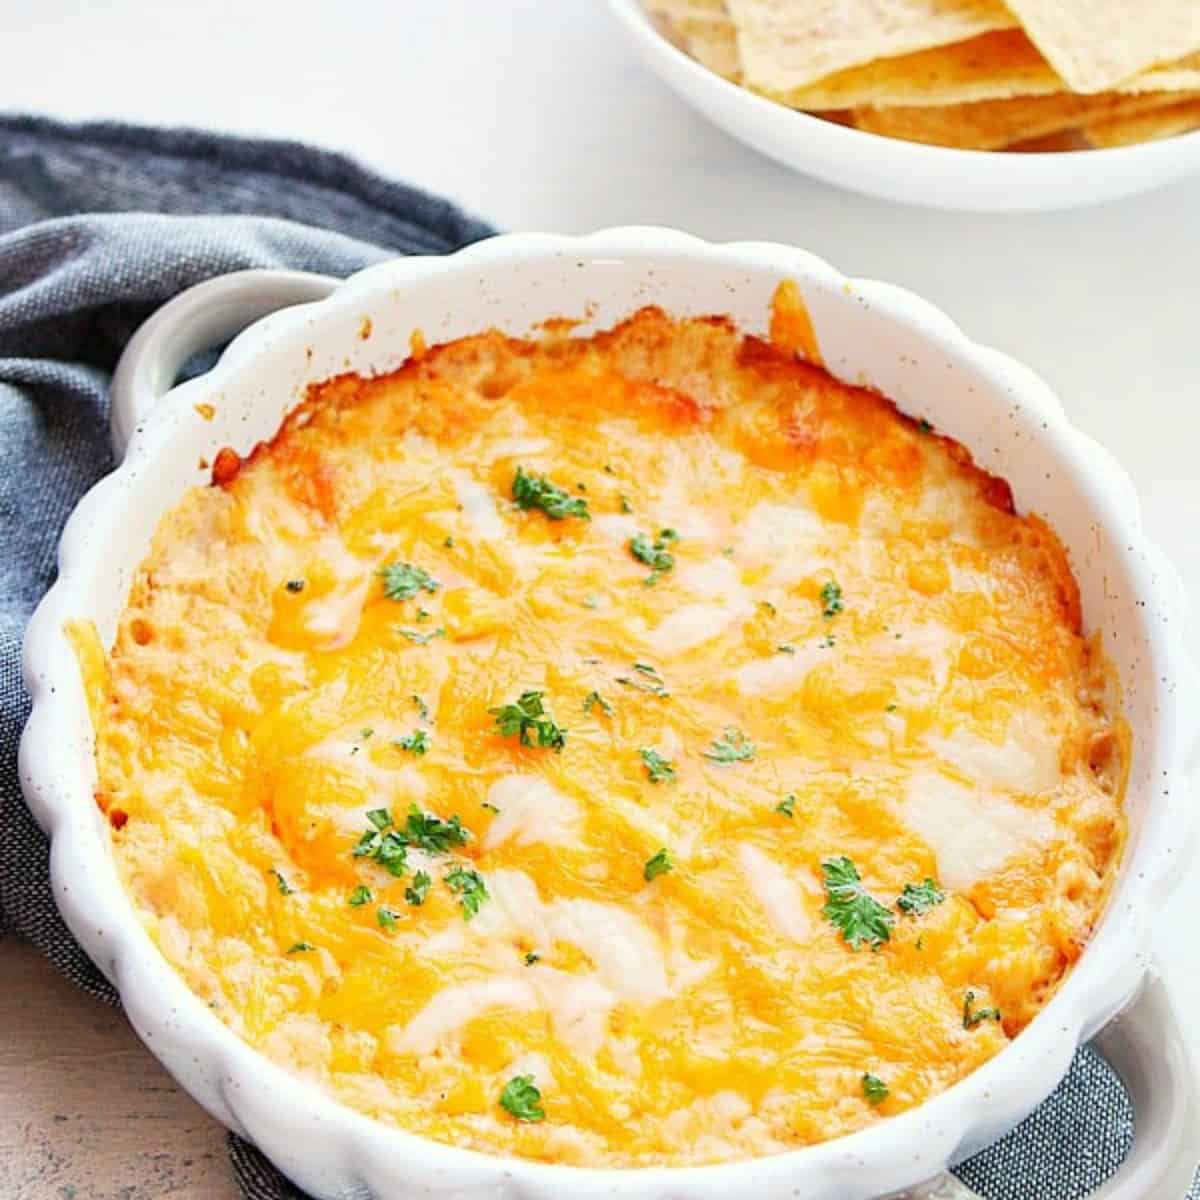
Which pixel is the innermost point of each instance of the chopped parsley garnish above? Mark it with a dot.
(416, 892)
(918, 898)
(423, 614)
(532, 957)
(416, 742)
(536, 491)
(295, 585)
(402, 581)
(300, 947)
(768, 608)
(366, 733)
(285, 888)
(432, 834)
(594, 700)
(388, 846)
(658, 769)
(731, 746)
(660, 864)
(382, 843)
(449, 543)
(855, 914)
(527, 720)
(522, 1099)
(923, 426)
(360, 896)
(626, 507)
(468, 886)
(654, 552)
(786, 648)
(652, 682)
(787, 806)
(891, 708)
(972, 1016)
(489, 806)
(831, 599)
(385, 917)
(421, 639)
(875, 1090)
(827, 642)
(591, 600)
(422, 707)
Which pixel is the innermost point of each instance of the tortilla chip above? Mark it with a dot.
(785, 44)
(994, 124)
(703, 30)
(994, 66)
(1096, 44)
(1145, 127)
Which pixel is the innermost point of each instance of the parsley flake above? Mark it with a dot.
(731, 746)
(432, 834)
(919, 898)
(532, 957)
(658, 865)
(300, 947)
(449, 543)
(416, 892)
(658, 769)
(923, 426)
(831, 599)
(973, 1016)
(654, 553)
(295, 585)
(786, 648)
(360, 896)
(402, 581)
(787, 806)
(594, 700)
(468, 886)
(626, 507)
(875, 1090)
(386, 918)
(527, 718)
(522, 1099)
(422, 639)
(416, 742)
(652, 682)
(536, 491)
(285, 888)
(855, 914)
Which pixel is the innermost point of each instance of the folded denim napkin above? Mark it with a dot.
(101, 223)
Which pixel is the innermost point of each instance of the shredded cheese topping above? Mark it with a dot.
(536, 780)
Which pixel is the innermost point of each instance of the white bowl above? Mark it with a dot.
(868, 332)
(932, 176)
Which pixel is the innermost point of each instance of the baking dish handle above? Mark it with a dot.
(197, 319)
(1145, 1046)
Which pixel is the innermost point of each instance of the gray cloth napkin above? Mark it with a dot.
(99, 225)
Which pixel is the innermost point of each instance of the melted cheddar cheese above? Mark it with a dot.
(857, 650)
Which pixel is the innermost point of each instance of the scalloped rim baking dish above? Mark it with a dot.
(868, 332)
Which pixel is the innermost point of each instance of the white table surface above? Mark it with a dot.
(537, 116)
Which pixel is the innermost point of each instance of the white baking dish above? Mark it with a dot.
(868, 332)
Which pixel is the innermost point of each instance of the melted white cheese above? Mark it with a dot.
(973, 832)
(781, 674)
(530, 811)
(479, 507)
(783, 537)
(1027, 761)
(780, 895)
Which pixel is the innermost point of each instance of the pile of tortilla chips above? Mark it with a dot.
(972, 74)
